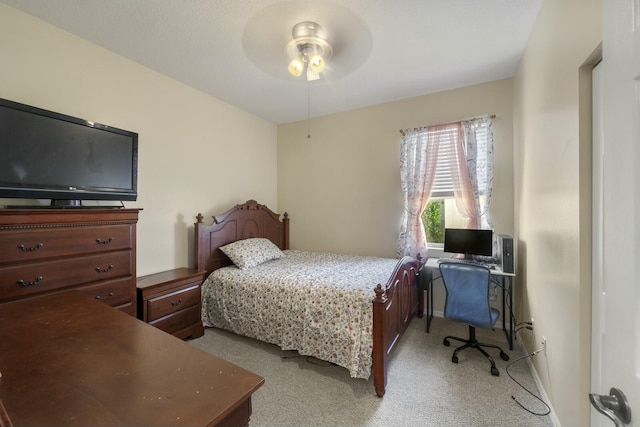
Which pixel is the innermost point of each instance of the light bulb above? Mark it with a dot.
(296, 66)
(316, 62)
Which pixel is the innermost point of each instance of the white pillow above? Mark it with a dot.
(248, 253)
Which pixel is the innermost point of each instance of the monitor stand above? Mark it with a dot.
(57, 203)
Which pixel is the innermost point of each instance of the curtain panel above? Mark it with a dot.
(418, 159)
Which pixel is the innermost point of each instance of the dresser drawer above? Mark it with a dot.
(39, 243)
(179, 320)
(113, 292)
(33, 278)
(169, 303)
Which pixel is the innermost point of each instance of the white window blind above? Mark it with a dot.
(443, 184)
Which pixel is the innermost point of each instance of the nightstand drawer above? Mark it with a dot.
(170, 303)
(179, 320)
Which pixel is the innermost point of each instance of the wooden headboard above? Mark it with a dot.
(249, 219)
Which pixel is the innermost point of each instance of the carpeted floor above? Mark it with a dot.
(424, 387)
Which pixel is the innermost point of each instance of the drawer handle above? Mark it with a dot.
(25, 284)
(175, 303)
(104, 242)
(23, 248)
(104, 270)
(110, 294)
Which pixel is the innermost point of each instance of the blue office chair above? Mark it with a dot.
(467, 300)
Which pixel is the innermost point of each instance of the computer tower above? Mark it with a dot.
(505, 253)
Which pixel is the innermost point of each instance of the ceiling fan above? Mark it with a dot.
(309, 50)
(297, 29)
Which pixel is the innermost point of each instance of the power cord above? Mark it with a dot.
(508, 289)
(548, 410)
(522, 325)
(518, 327)
(309, 359)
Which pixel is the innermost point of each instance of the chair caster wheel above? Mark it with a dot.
(446, 342)
(454, 359)
(495, 372)
(504, 356)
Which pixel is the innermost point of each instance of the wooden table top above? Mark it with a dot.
(66, 359)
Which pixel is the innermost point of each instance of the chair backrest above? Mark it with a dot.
(467, 299)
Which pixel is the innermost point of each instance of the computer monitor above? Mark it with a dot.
(469, 242)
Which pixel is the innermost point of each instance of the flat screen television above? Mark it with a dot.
(469, 242)
(48, 155)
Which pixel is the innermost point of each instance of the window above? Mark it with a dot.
(449, 169)
(441, 211)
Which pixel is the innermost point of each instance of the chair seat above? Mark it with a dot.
(476, 321)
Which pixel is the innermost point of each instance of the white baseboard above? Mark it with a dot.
(436, 314)
(543, 393)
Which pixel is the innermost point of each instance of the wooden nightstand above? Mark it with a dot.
(171, 301)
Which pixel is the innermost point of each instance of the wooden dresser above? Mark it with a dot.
(171, 301)
(46, 251)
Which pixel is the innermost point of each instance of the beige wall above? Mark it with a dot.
(341, 187)
(196, 153)
(552, 199)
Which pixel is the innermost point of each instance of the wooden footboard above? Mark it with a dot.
(393, 308)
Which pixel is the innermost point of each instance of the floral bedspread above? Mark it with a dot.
(302, 302)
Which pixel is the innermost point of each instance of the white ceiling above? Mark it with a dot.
(235, 50)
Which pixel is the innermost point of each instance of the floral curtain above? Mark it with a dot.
(472, 172)
(418, 158)
(480, 165)
(464, 188)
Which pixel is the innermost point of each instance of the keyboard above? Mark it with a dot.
(485, 259)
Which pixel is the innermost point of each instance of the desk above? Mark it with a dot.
(68, 360)
(506, 283)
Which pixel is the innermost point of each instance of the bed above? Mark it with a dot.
(351, 312)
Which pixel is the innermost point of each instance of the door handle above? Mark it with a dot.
(614, 406)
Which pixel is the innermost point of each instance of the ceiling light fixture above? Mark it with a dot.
(309, 50)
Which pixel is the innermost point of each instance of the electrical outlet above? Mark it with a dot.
(532, 325)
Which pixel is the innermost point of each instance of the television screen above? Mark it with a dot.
(47, 155)
(468, 242)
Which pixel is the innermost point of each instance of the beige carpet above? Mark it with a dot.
(424, 387)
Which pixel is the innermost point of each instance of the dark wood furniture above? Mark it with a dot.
(51, 250)
(5, 421)
(394, 305)
(67, 360)
(171, 301)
